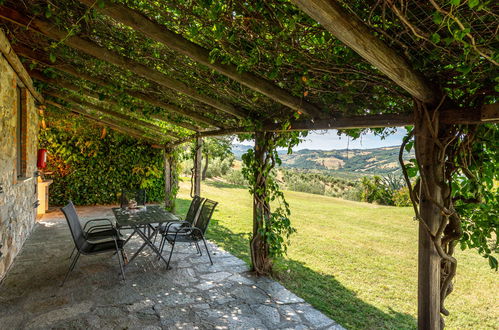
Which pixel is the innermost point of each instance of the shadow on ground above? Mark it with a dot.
(323, 291)
(218, 184)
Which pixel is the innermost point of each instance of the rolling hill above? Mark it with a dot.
(362, 161)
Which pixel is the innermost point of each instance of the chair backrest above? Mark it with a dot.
(138, 195)
(74, 225)
(194, 208)
(205, 215)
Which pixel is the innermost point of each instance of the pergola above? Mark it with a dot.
(168, 72)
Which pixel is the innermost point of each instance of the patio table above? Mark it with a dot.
(141, 221)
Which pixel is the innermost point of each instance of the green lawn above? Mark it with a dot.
(356, 262)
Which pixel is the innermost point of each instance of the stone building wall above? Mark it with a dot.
(17, 196)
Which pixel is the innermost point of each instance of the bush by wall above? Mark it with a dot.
(90, 166)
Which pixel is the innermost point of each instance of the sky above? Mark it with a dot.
(329, 140)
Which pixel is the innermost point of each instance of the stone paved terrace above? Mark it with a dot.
(192, 295)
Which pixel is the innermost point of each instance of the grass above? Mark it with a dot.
(356, 262)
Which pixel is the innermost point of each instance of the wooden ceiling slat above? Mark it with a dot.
(64, 84)
(43, 59)
(131, 120)
(201, 55)
(106, 55)
(104, 122)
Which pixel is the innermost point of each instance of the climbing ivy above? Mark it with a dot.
(90, 165)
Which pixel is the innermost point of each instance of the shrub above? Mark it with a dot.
(235, 177)
(219, 167)
(311, 187)
(353, 194)
(375, 190)
(401, 197)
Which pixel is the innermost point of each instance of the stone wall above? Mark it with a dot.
(17, 196)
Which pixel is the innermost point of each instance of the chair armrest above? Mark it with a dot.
(187, 230)
(100, 228)
(174, 222)
(95, 220)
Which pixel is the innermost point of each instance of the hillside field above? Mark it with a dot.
(356, 262)
(342, 162)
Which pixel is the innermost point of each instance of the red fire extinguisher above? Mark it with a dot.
(42, 158)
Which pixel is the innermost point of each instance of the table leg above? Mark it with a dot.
(147, 242)
(150, 243)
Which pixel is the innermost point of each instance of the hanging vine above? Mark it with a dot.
(463, 169)
(271, 227)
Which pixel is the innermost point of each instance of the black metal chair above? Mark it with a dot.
(189, 221)
(195, 233)
(139, 196)
(97, 239)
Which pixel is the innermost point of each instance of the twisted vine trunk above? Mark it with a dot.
(431, 170)
(262, 263)
(439, 224)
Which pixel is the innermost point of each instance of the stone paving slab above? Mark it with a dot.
(191, 295)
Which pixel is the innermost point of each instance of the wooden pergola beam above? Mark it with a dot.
(488, 113)
(104, 54)
(134, 122)
(356, 35)
(15, 63)
(85, 92)
(104, 122)
(43, 59)
(201, 55)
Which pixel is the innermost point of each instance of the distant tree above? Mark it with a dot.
(220, 147)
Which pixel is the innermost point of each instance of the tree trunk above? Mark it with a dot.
(170, 180)
(261, 262)
(432, 180)
(197, 166)
(205, 168)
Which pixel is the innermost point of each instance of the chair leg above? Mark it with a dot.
(118, 251)
(161, 245)
(72, 252)
(71, 267)
(198, 249)
(208, 252)
(170, 257)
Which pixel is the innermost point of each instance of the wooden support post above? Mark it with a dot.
(170, 180)
(260, 260)
(197, 166)
(431, 170)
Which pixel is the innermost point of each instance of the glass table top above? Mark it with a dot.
(142, 215)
